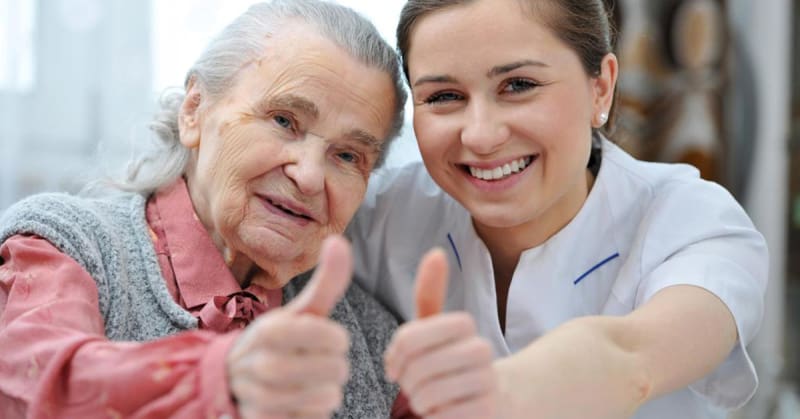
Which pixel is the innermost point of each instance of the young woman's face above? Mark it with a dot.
(503, 113)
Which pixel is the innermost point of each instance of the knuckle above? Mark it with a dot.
(340, 338)
(326, 398)
(333, 369)
(343, 371)
(272, 366)
(404, 334)
(400, 343)
(429, 403)
(482, 348)
(277, 400)
(464, 323)
(238, 388)
(412, 378)
(335, 397)
(419, 404)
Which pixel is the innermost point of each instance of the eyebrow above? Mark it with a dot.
(434, 79)
(295, 102)
(495, 71)
(505, 68)
(366, 139)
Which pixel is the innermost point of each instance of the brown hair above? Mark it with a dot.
(584, 25)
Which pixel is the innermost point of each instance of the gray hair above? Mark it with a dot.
(243, 41)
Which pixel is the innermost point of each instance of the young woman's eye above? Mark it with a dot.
(442, 97)
(519, 85)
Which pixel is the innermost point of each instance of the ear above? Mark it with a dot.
(189, 115)
(604, 85)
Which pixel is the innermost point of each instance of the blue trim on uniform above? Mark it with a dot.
(594, 268)
(453, 245)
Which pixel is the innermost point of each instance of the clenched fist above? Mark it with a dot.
(292, 362)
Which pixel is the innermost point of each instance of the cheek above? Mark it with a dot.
(434, 134)
(230, 194)
(567, 150)
(345, 196)
(230, 213)
(557, 125)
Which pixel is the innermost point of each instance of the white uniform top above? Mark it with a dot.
(644, 227)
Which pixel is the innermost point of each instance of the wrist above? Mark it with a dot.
(504, 374)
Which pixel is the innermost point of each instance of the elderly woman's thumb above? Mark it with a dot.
(330, 281)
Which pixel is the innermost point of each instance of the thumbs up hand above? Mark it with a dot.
(292, 362)
(443, 367)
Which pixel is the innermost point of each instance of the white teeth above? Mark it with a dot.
(500, 172)
(497, 173)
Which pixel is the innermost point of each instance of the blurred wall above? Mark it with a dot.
(92, 87)
(765, 28)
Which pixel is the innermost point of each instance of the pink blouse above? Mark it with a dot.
(55, 360)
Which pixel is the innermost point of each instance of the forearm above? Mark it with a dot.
(609, 366)
(55, 360)
(578, 368)
(81, 375)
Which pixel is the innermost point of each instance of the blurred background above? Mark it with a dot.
(715, 83)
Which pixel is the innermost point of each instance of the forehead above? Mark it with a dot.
(485, 28)
(298, 63)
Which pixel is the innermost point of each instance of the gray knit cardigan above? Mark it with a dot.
(109, 238)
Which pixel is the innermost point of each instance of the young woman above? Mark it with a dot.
(608, 287)
(167, 301)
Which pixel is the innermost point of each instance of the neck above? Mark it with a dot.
(246, 272)
(506, 244)
(241, 268)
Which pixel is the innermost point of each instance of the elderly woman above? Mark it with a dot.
(141, 302)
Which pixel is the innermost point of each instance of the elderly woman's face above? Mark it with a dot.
(283, 159)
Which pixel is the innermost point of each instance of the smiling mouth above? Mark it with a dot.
(288, 211)
(500, 172)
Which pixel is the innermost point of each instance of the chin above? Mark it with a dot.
(270, 249)
(274, 253)
(280, 271)
(500, 217)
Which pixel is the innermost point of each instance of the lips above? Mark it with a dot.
(289, 208)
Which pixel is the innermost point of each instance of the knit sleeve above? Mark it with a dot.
(55, 360)
(69, 227)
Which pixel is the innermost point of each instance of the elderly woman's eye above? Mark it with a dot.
(283, 121)
(348, 157)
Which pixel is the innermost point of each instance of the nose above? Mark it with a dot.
(307, 166)
(483, 131)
